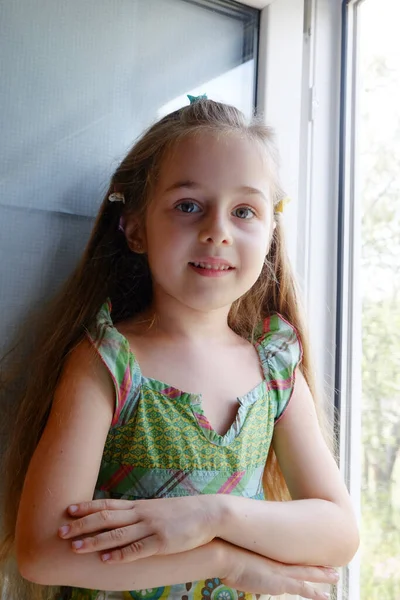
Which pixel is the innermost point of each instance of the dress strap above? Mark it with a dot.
(113, 349)
(280, 350)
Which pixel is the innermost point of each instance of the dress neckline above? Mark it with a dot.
(195, 400)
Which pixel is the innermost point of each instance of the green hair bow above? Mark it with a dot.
(194, 99)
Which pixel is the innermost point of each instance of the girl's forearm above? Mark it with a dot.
(308, 532)
(61, 566)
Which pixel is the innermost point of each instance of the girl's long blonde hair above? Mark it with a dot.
(108, 269)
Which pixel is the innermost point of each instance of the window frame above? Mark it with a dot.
(348, 372)
(260, 4)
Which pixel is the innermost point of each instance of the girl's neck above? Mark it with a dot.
(175, 320)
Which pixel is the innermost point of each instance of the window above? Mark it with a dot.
(369, 297)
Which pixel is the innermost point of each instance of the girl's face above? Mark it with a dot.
(210, 220)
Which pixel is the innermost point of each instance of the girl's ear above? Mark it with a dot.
(134, 235)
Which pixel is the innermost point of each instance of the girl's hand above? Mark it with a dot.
(259, 575)
(140, 528)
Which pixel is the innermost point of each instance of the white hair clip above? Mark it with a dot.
(116, 197)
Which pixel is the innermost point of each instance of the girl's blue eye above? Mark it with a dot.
(244, 212)
(187, 207)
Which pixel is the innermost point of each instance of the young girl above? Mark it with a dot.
(170, 395)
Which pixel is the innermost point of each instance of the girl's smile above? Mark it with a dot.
(211, 266)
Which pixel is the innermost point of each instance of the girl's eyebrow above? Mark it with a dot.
(246, 189)
(187, 183)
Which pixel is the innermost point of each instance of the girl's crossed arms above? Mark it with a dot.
(291, 532)
(64, 469)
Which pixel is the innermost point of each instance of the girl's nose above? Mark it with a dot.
(215, 230)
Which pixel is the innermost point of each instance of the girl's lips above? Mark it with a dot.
(210, 270)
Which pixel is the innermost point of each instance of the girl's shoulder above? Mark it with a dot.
(114, 351)
(280, 350)
(112, 347)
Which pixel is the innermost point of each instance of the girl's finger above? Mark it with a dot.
(307, 591)
(84, 508)
(303, 589)
(115, 538)
(312, 574)
(98, 521)
(141, 549)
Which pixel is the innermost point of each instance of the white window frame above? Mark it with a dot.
(349, 359)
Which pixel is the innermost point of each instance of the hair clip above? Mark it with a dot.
(116, 197)
(278, 208)
(194, 99)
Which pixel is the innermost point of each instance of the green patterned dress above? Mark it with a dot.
(161, 445)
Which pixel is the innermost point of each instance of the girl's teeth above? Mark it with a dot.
(213, 267)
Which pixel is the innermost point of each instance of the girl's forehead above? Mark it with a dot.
(214, 157)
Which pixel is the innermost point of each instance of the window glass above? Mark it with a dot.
(378, 168)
